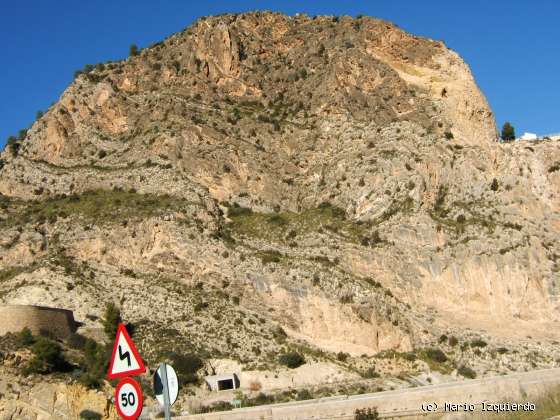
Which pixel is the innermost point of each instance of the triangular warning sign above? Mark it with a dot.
(125, 360)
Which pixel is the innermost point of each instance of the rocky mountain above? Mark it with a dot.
(259, 182)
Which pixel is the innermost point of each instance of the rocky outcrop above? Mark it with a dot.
(333, 179)
(53, 401)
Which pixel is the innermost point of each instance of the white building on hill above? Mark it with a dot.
(529, 137)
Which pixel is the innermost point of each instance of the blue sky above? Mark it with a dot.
(512, 47)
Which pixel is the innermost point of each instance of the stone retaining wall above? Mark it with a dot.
(39, 319)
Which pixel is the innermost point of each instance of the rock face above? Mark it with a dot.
(337, 178)
(53, 401)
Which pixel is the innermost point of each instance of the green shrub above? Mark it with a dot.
(345, 299)
(436, 355)
(453, 341)
(494, 186)
(268, 257)
(366, 414)
(90, 415)
(277, 219)
(304, 394)
(448, 135)
(133, 50)
(478, 342)
(217, 406)
(334, 210)
(111, 320)
(467, 372)
(291, 359)
(279, 334)
(47, 357)
(95, 364)
(25, 338)
(200, 306)
(262, 399)
(235, 211)
(554, 168)
(13, 145)
(369, 373)
(187, 367)
(342, 357)
(508, 132)
(409, 355)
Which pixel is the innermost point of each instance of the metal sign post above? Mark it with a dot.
(166, 387)
(166, 403)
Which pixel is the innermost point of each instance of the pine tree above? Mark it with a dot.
(111, 320)
(133, 50)
(13, 145)
(508, 132)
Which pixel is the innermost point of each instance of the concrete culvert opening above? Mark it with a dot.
(222, 382)
(225, 384)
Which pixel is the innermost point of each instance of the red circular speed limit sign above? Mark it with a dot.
(128, 398)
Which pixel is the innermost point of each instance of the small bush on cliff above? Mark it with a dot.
(94, 363)
(90, 415)
(467, 372)
(111, 320)
(268, 257)
(334, 211)
(187, 366)
(369, 373)
(478, 342)
(235, 210)
(304, 394)
(342, 357)
(47, 357)
(436, 355)
(494, 186)
(13, 145)
(25, 338)
(553, 168)
(279, 334)
(292, 359)
(133, 50)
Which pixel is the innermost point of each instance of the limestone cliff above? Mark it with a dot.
(335, 177)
